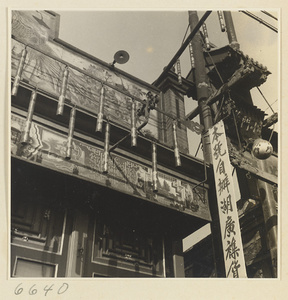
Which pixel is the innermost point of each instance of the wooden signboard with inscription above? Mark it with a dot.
(228, 215)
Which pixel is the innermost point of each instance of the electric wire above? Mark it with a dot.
(271, 104)
(265, 99)
(261, 21)
(185, 35)
(268, 14)
(198, 148)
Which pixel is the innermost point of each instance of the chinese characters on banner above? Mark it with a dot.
(229, 222)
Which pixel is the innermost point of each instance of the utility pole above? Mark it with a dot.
(201, 80)
(232, 38)
(202, 88)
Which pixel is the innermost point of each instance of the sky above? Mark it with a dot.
(153, 37)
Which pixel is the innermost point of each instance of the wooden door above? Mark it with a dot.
(39, 239)
(116, 250)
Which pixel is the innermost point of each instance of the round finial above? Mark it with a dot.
(261, 149)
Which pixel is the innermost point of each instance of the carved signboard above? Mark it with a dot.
(229, 222)
(48, 147)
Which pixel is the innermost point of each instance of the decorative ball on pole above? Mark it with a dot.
(261, 149)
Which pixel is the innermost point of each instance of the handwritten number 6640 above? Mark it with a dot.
(33, 290)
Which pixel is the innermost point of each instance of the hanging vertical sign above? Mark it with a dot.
(228, 215)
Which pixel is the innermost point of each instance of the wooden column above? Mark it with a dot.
(77, 247)
(270, 218)
(178, 259)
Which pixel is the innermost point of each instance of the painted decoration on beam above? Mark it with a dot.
(82, 91)
(48, 148)
(226, 199)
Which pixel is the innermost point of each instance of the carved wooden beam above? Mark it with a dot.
(239, 74)
(239, 161)
(270, 121)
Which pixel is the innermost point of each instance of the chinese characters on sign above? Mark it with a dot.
(229, 222)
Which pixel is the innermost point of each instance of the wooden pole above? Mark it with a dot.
(133, 125)
(62, 96)
(192, 61)
(221, 20)
(100, 115)
(206, 38)
(154, 168)
(176, 148)
(106, 148)
(70, 133)
(28, 123)
(19, 72)
(178, 67)
(201, 80)
(231, 30)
